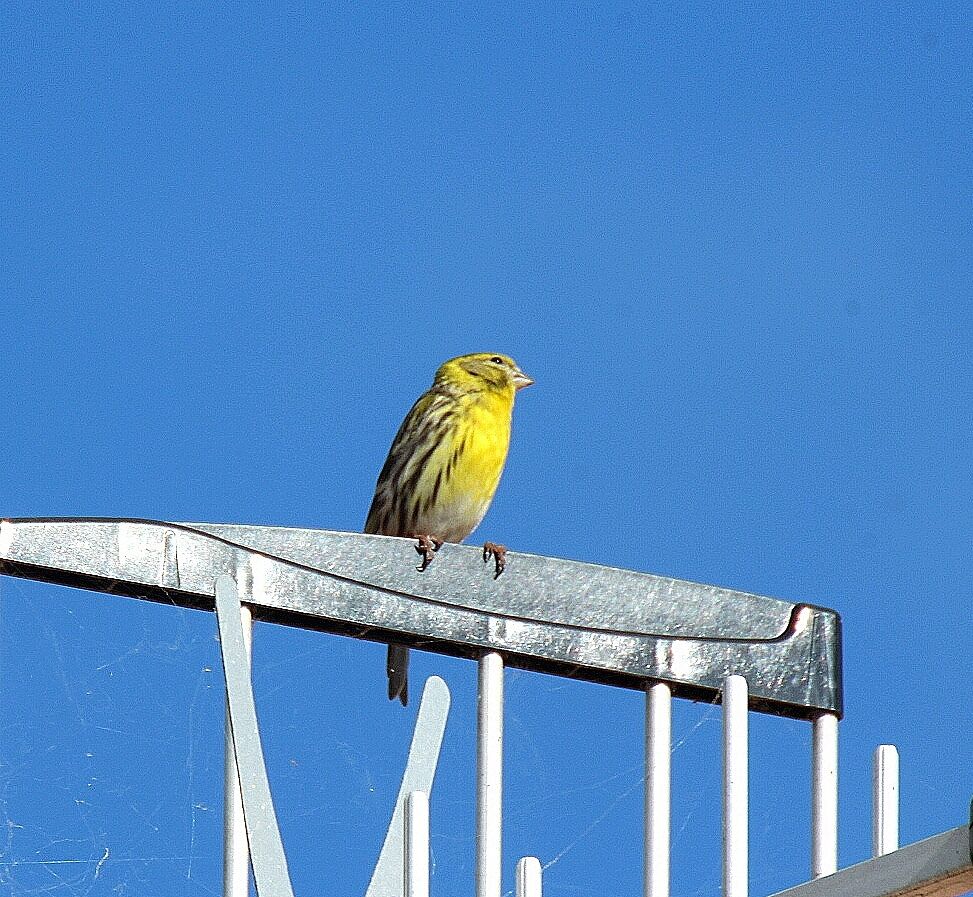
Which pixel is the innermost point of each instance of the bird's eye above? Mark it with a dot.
(497, 359)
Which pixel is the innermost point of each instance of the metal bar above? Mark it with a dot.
(735, 785)
(885, 800)
(940, 866)
(236, 851)
(416, 853)
(630, 627)
(489, 776)
(658, 748)
(420, 770)
(529, 877)
(266, 850)
(824, 795)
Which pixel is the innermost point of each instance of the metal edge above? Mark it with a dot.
(823, 616)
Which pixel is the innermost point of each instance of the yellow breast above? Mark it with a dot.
(473, 461)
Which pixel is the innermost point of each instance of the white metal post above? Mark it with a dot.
(489, 776)
(824, 795)
(416, 853)
(885, 800)
(735, 785)
(658, 747)
(528, 877)
(236, 849)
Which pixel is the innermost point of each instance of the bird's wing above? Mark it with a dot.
(425, 433)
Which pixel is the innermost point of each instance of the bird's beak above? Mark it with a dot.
(521, 380)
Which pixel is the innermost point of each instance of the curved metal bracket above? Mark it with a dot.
(420, 769)
(267, 857)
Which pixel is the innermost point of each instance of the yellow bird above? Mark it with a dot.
(444, 466)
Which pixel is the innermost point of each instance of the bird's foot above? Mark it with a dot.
(427, 547)
(499, 555)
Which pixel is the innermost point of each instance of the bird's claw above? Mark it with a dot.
(427, 546)
(499, 555)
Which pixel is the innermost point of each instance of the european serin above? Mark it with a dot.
(444, 466)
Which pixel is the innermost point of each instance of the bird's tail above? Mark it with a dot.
(397, 668)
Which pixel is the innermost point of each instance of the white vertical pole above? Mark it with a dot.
(489, 776)
(528, 877)
(885, 800)
(824, 795)
(735, 783)
(416, 853)
(658, 747)
(236, 849)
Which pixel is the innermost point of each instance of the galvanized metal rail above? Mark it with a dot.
(583, 621)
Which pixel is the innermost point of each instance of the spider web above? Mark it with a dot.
(109, 772)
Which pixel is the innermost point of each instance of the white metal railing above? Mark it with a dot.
(415, 865)
(735, 787)
(658, 739)
(658, 776)
(528, 877)
(489, 777)
(236, 850)
(416, 853)
(824, 795)
(885, 800)
(824, 798)
(943, 858)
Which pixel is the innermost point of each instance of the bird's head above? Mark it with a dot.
(483, 370)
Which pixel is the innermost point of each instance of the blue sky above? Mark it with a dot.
(731, 246)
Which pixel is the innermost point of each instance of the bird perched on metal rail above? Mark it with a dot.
(444, 466)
